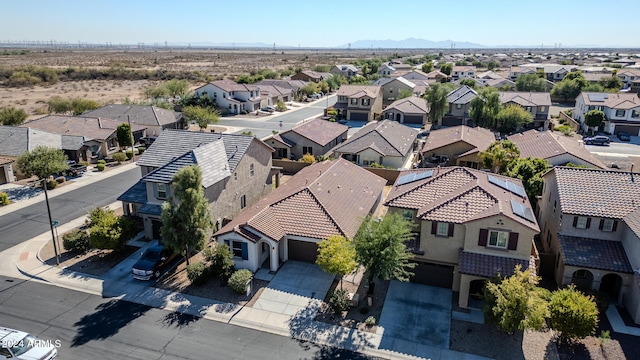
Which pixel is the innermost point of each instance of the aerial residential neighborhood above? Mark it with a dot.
(398, 199)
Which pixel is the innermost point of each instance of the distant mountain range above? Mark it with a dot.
(412, 43)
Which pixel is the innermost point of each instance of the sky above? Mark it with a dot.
(324, 23)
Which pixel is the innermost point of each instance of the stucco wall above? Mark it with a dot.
(392, 90)
(451, 151)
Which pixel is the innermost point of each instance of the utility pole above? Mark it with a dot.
(53, 235)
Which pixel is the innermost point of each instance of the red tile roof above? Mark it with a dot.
(5, 161)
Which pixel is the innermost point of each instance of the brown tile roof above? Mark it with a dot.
(229, 85)
(524, 98)
(546, 144)
(632, 220)
(598, 193)
(358, 91)
(479, 138)
(410, 105)
(594, 254)
(457, 195)
(491, 265)
(389, 138)
(323, 199)
(89, 127)
(319, 131)
(611, 100)
(5, 161)
(274, 90)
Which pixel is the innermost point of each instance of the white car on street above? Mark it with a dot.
(16, 344)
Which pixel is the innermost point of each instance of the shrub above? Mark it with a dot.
(141, 150)
(4, 198)
(128, 228)
(308, 159)
(339, 301)
(106, 230)
(196, 273)
(129, 154)
(102, 161)
(565, 129)
(100, 166)
(238, 280)
(220, 259)
(76, 241)
(119, 157)
(51, 184)
(280, 106)
(60, 179)
(573, 314)
(370, 321)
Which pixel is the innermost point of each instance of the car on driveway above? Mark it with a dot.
(597, 140)
(16, 344)
(623, 136)
(152, 262)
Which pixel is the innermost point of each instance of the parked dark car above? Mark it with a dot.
(597, 140)
(152, 262)
(623, 136)
(147, 140)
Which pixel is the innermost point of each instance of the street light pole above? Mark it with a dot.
(53, 236)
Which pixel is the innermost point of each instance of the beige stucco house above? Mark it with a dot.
(359, 102)
(409, 110)
(315, 137)
(461, 145)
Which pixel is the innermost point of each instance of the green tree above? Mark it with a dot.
(203, 116)
(613, 83)
(176, 87)
(469, 82)
(437, 98)
(42, 162)
(427, 67)
(337, 256)
(530, 171)
(512, 117)
(186, 219)
(380, 248)
(104, 232)
(485, 107)
(515, 303)
(309, 89)
(566, 89)
(578, 76)
(10, 116)
(359, 80)
(75, 106)
(573, 314)
(446, 68)
(493, 65)
(593, 88)
(404, 93)
(594, 118)
(155, 92)
(123, 133)
(530, 82)
(499, 155)
(220, 260)
(79, 106)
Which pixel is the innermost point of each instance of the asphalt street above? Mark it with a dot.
(622, 149)
(24, 224)
(90, 327)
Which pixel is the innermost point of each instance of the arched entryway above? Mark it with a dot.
(265, 251)
(610, 285)
(582, 279)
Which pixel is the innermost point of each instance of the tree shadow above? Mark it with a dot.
(179, 319)
(324, 352)
(19, 193)
(108, 319)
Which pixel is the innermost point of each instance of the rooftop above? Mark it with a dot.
(389, 138)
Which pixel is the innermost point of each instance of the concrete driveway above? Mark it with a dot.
(295, 287)
(414, 312)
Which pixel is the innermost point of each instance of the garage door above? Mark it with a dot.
(413, 119)
(451, 121)
(303, 251)
(631, 130)
(433, 274)
(358, 116)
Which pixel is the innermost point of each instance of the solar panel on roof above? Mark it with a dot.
(522, 211)
(405, 179)
(507, 185)
(597, 97)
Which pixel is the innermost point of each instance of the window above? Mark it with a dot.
(442, 229)
(528, 108)
(162, 191)
(541, 108)
(620, 113)
(365, 102)
(458, 106)
(354, 101)
(307, 150)
(243, 201)
(608, 225)
(251, 170)
(239, 249)
(224, 95)
(498, 239)
(342, 98)
(635, 114)
(581, 222)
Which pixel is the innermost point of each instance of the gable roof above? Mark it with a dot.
(459, 195)
(229, 85)
(595, 192)
(92, 128)
(323, 199)
(462, 95)
(477, 137)
(316, 75)
(357, 91)
(546, 145)
(524, 98)
(409, 105)
(346, 67)
(137, 114)
(319, 131)
(611, 100)
(15, 141)
(295, 85)
(389, 138)
(175, 143)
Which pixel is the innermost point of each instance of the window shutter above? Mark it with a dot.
(245, 251)
(434, 226)
(601, 224)
(615, 225)
(513, 241)
(450, 234)
(588, 223)
(482, 239)
(575, 221)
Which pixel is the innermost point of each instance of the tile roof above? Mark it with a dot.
(72, 142)
(358, 91)
(287, 84)
(611, 100)
(174, 143)
(462, 95)
(92, 128)
(632, 220)
(229, 85)
(524, 98)
(15, 141)
(477, 137)
(594, 253)
(150, 209)
(390, 138)
(278, 137)
(137, 114)
(546, 145)
(274, 90)
(323, 199)
(490, 265)
(595, 192)
(319, 131)
(409, 105)
(5, 161)
(457, 195)
(135, 194)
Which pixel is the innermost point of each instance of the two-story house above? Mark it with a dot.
(323, 199)
(385, 70)
(386, 143)
(459, 101)
(628, 76)
(359, 102)
(153, 118)
(231, 97)
(391, 88)
(536, 103)
(463, 72)
(469, 226)
(346, 70)
(236, 172)
(315, 137)
(409, 110)
(621, 111)
(590, 221)
(272, 94)
(552, 72)
(457, 145)
(311, 76)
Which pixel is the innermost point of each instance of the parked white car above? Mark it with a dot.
(16, 344)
